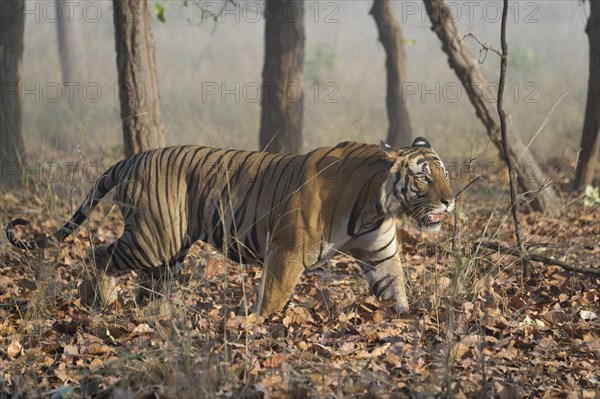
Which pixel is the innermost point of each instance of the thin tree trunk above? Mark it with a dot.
(70, 50)
(505, 146)
(390, 35)
(590, 137)
(529, 174)
(138, 86)
(12, 150)
(283, 77)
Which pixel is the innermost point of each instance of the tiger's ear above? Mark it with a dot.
(387, 149)
(421, 142)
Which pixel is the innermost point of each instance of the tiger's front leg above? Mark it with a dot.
(386, 280)
(378, 256)
(282, 269)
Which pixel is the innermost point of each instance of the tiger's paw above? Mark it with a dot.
(157, 308)
(100, 294)
(404, 313)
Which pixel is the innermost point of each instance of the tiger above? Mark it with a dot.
(287, 212)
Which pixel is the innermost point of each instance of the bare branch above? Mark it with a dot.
(484, 47)
(473, 180)
(537, 258)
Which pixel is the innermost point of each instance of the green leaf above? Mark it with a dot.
(411, 42)
(159, 10)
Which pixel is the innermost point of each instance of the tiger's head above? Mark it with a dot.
(417, 185)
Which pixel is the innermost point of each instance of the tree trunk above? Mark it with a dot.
(283, 77)
(12, 150)
(138, 86)
(390, 35)
(70, 50)
(530, 176)
(590, 137)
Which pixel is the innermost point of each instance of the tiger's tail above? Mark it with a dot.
(102, 186)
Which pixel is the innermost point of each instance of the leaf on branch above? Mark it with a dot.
(159, 10)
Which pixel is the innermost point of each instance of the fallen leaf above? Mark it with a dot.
(376, 352)
(15, 349)
(274, 361)
(143, 329)
(556, 316)
(98, 349)
(459, 349)
(587, 315)
(215, 267)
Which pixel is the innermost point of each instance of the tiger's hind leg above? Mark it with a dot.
(157, 282)
(111, 260)
(154, 283)
(101, 288)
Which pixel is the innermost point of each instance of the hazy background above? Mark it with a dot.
(344, 76)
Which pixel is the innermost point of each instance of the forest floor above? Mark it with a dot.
(477, 329)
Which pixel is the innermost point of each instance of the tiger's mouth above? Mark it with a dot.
(431, 222)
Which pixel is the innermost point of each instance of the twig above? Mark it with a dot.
(484, 47)
(509, 165)
(537, 258)
(473, 180)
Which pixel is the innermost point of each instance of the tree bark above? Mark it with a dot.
(138, 86)
(12, 150)
(530, 176)
(70, 50)
(390, 34)
(283, 77)
(590, 137)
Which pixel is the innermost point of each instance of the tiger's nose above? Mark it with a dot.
(449, 202)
